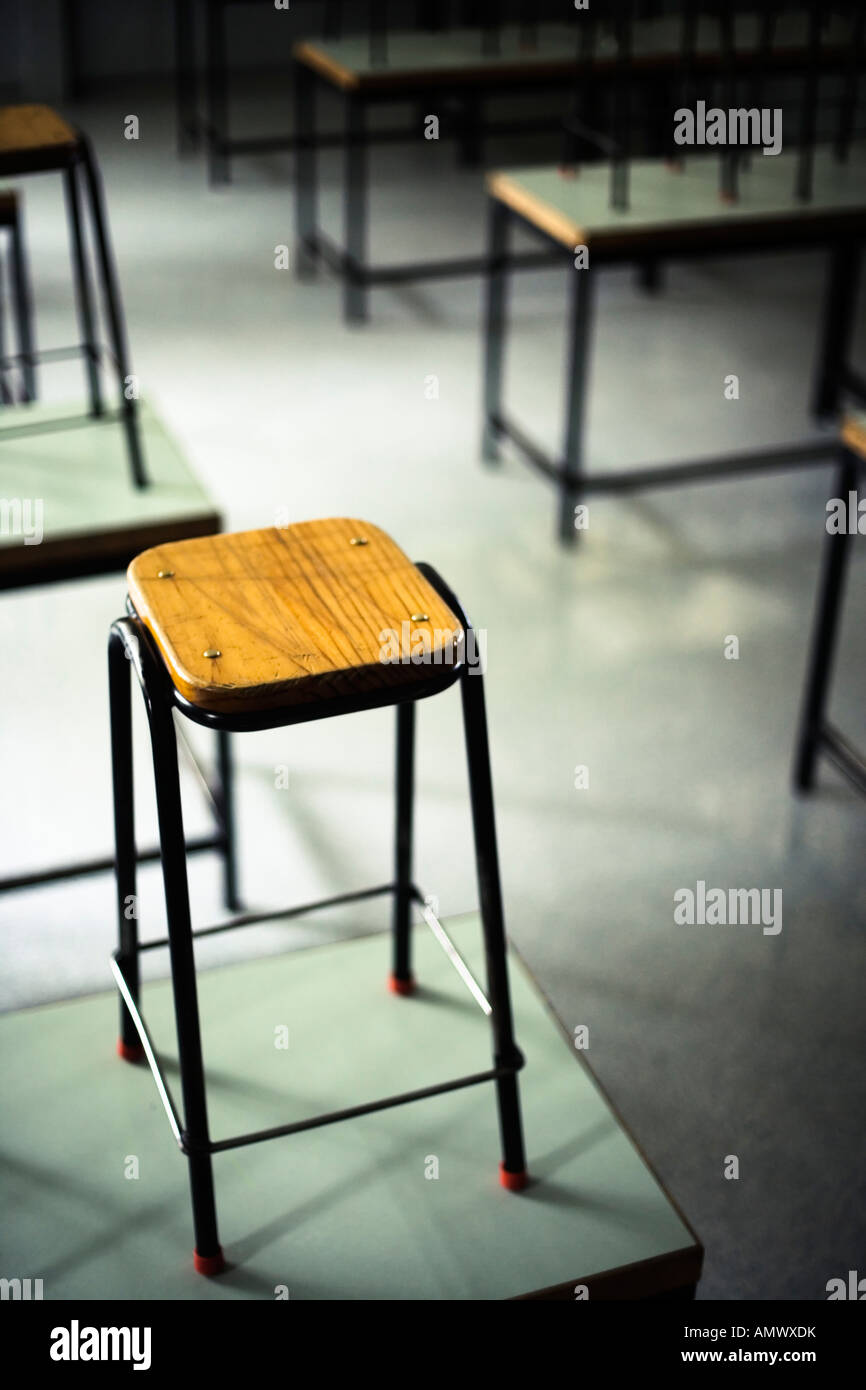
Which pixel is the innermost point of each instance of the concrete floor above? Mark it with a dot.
(712, 1041)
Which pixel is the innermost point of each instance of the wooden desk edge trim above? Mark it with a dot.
(313, 57)
(812, 222)
(854, 435)
(661, 1274)
(108, 551)
(540, 214)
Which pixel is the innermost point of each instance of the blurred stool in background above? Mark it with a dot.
(71, 504)
(35, 139)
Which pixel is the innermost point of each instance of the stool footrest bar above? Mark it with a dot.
(149, 1052)
(453, 954)
(336, 1116)
(844, 756)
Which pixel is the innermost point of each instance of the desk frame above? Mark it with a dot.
(832, 374)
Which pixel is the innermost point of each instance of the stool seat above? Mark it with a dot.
(33, 138)
(288, 615)
(854, 433)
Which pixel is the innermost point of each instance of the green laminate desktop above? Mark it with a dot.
(94, 519)
(344, 1212)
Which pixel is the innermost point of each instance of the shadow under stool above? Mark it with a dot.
(262, 630)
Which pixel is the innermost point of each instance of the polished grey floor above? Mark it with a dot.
(713, 1041)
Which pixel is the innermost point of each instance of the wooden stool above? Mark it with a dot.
(22, 308)
(817, 735)
(34, 139)
(262, 630)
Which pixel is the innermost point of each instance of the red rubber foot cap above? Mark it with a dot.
(397, 986)
(209, 1264)
(514, 1182)
(130, 1052)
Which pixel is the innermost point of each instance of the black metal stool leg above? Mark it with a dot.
(304, 91)
(7, 396)
(185, 78)
(834, 566)
(576, 392)
(471, 127)
(840, 304)
(505, 1051)
(114, 313)
(649, 275)
(23, 310)
(83, 289)
(401, 981)
(495, 325)
(196, 1138)
(128, 1046)
(355, 213)
(226, 808)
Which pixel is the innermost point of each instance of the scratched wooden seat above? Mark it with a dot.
(286, 615)
(33, 138)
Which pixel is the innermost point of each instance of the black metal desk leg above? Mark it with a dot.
(355, 213)
(185, 83)
(83, 289)
(577, 374)
(840, 302)
(834, 567)
(495, 324)
(217, 93)
(171, 839)
(23, 301)
(505, 1051)
(114, 315)
(649, 275)
(225, 801)
(128, 1045)
(304, 93)
(471, 127)
(401, 975)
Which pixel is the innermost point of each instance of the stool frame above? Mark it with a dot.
(817, 735)
(131, 644)
(22, 301)
(82, 182)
